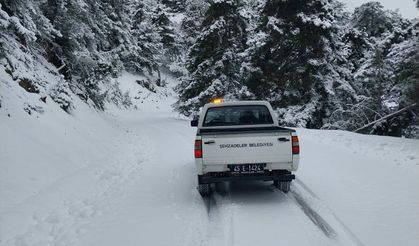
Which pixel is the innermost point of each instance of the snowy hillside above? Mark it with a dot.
(128, 178)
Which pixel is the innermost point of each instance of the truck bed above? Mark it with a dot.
(238, 130)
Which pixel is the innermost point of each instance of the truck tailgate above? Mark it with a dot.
(246, 148)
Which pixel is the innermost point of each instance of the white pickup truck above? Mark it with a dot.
(243, 141)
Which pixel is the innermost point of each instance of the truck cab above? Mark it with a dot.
(242, 140)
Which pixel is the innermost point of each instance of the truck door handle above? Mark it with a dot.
(283, 139)
(209, 142)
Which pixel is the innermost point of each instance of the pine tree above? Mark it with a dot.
(94, 41)
(405, 60)
(372, 18)
(26, 35)
(175, 5)
(31, 17)
(191, 24)
(296, 67)
(147, 42)
(165, 29)
(377, 78)
(213, 61)
(357, 45)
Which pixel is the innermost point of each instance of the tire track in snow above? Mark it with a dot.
(322, 216)
(228, 212)
(220, 209)
(313, 215)
(209, 202)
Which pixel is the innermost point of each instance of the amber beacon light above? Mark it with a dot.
(217, 100)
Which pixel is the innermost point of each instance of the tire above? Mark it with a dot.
(285, 186)
(204, 189)
(276, 183)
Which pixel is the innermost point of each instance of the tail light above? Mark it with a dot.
(198, 149)
(295, 145)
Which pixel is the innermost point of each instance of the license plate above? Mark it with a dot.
(247, 168)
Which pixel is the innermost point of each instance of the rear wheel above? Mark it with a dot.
(284, 186)
(204, 189)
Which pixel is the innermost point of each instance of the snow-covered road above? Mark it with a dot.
(162, 207)
(350, 190)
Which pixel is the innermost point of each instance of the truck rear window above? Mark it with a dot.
(238, 115)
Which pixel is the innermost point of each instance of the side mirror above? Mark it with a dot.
(194, 123)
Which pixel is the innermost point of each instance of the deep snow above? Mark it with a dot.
(127, 178)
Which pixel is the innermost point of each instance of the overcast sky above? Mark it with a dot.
(406, 7)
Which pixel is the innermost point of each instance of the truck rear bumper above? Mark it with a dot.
(204, 169)
(227, 176)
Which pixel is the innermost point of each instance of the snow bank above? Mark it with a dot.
(57, 168)
(370, 182)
